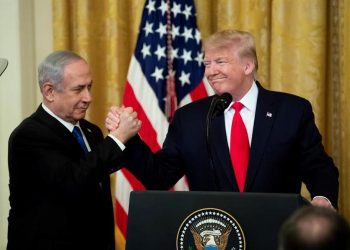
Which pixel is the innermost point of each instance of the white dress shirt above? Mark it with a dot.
(68, 125)
(247, 113)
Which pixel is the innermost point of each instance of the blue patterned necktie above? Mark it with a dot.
(79, 136)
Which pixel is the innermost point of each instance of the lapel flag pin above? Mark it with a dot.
(268, 114)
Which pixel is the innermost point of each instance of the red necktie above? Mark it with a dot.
(239, 146)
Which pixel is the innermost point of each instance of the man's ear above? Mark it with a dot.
(48, 91)
(249, 67)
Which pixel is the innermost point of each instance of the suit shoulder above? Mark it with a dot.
(29, 127)
(196, 110)
(198, 104)
(28, 123)
(285, 97)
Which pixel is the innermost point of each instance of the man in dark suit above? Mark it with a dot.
(60, 193)
(273, 147)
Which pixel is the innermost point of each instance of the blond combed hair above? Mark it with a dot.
(242, 41)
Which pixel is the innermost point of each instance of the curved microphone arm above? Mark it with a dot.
(3, 65)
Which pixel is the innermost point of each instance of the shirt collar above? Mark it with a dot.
(249, 100)
(68, 125)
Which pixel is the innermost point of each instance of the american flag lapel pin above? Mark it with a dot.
(268, 114)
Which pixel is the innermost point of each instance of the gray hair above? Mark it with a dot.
(51, 69)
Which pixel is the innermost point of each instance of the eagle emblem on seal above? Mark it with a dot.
(210, 229)
(210, 239)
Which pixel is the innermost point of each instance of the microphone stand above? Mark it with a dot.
(208, 140)
(217, 107)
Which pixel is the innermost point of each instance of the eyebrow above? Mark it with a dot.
(219, 58)
(82, 85)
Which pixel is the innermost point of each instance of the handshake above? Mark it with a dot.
(122, 123)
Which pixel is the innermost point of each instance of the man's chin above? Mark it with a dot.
(80, 116)
(219, 91)
(218, 88)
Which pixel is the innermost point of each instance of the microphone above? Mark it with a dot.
(3, 65)
(217, 107)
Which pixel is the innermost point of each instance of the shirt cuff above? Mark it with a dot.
(120, 144)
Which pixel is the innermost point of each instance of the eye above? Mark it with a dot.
(206, 63)
(220, 62)
(78, 89)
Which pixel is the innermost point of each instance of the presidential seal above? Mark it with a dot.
(210, 229)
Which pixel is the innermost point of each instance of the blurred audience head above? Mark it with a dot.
(315, 228)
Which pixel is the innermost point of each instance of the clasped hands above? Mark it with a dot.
(122, 123)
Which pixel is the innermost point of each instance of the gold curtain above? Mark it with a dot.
(303, 48)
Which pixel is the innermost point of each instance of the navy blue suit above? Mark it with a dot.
(60, 199)
(286, 149)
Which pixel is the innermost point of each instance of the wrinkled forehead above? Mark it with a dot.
(77, 72)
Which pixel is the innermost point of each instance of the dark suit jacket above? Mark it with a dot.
(60, 198)
(286, 149)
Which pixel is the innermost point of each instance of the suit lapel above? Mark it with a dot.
(88, 134)
(266, 111)
(65, 136)
(221, 150)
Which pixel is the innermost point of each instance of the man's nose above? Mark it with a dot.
(87, 95)
(211, 70)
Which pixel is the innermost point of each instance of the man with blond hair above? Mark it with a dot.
(264, 141)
